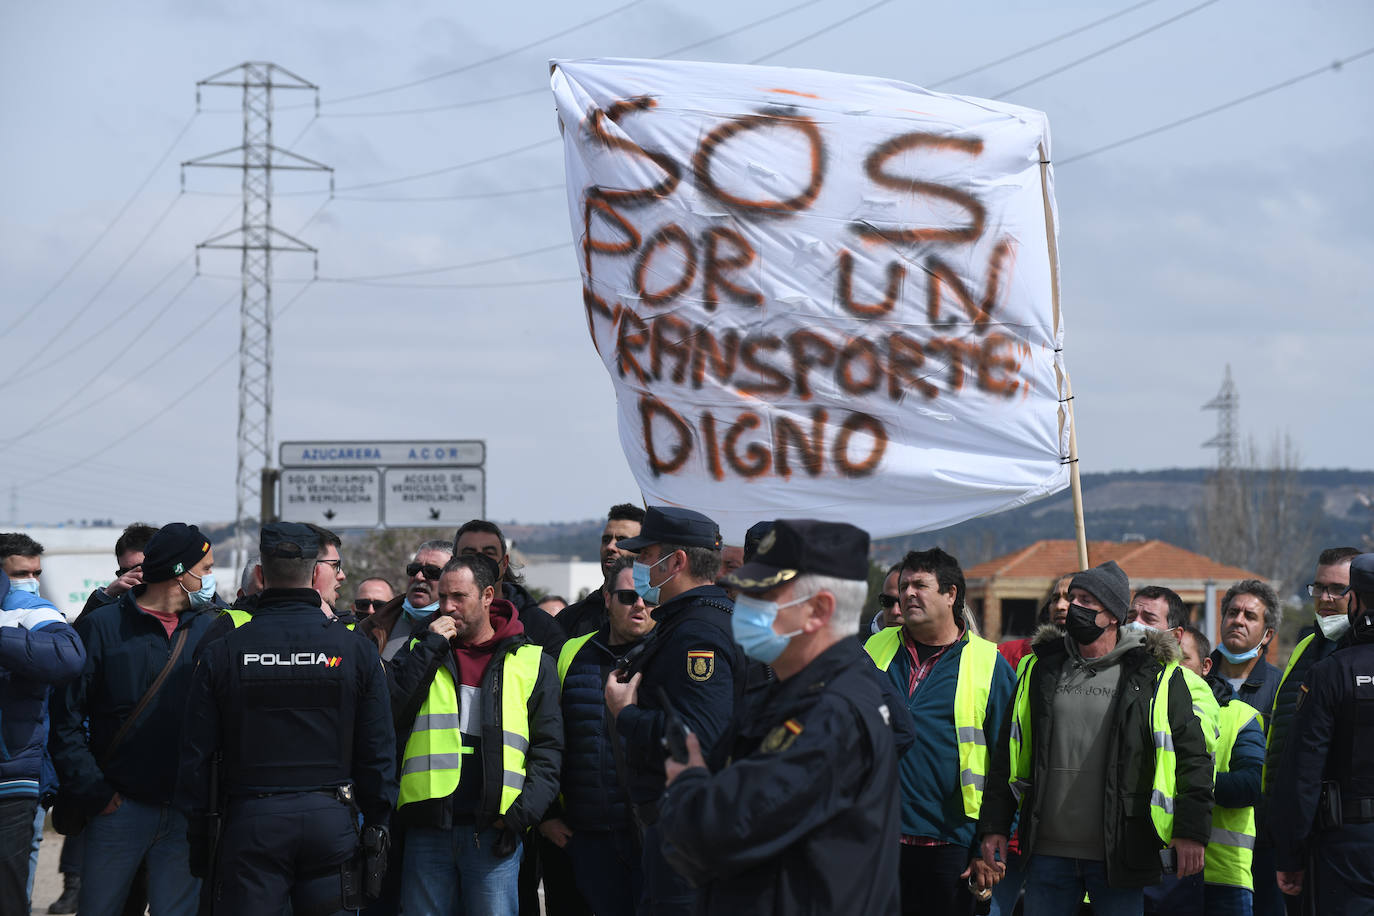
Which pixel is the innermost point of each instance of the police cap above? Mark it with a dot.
(1362, 574)
(288, 541)
(753, 537)
(672, 525)
(794, 547)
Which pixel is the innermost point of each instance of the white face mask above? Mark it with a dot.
(1333, 627)
(29, 585)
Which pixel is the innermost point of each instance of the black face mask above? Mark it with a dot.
(1082, 624)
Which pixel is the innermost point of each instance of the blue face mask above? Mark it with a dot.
(646, 591)
(29, 585)
(418, 613)
(752, 623)
(1235, 658)
(204, 596)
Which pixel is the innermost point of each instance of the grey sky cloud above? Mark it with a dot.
(1241, 238)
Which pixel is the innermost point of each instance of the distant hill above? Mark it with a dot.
(1122, 505)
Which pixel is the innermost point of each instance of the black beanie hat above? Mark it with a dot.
(1108, 584)
(172, 551)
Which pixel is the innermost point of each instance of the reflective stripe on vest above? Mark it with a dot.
(1166, 762)
(1206, 708)
(977, 664)
(568, 653)
(1230, 848)
(239, 617)
(1020, 739)
(432, 763)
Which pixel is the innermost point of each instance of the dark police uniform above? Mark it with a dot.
(1331, 751)
(806, 817)
(691, 656)
(297, 705)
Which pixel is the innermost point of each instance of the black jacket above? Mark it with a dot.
(1279, 719)
(1132, 843)
(125, 651)
(1332, 739)
(806, 818)
(412, 671)
(321, 719)
(585, 616)
(541, 627)
(591, 791)
(692, 656)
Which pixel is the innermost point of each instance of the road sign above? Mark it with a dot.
(332, 497)
(439, 497)
(401, 453)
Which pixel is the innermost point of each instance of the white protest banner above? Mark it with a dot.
(818, 295)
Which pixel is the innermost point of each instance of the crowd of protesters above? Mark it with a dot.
(716, 728)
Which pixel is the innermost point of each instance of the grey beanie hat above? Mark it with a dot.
(1108, 584)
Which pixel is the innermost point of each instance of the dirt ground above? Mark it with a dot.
(47, 884)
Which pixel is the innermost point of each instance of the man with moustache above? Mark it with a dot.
(392, 626)
(623, 521)
(1250, 617)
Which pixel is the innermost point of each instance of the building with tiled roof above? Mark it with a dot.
(1006, 593)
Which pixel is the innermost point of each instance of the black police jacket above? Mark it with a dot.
(126, 649)
(583, 617)
(295, 702)
(806, 818)
(1279, 719)
(1332, 739)
(692, 656)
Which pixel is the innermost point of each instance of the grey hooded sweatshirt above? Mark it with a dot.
(1071, 824)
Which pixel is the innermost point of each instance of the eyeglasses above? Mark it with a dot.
(1330, 589)
(625, 595)
(369, 605)
(431, 571)
(337, 564)
(886, 602)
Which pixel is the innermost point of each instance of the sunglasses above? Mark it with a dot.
(369, 605)
(626, 596)
(429, 569)
(886, 602)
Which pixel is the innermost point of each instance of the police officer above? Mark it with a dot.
(297, 708)
(805, 818)
(691, 657)
(1322, 810)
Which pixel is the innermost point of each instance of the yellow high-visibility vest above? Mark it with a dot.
(433, 759)
(977, 665)
(1231, 846)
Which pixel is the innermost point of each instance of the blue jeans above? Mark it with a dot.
(116, 843)
(1225, 900)
(16, 838)
(455, 873)
(1007, 891)
(1056, 887)
(40, 817)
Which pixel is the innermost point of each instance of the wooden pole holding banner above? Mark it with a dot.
(1065, 385)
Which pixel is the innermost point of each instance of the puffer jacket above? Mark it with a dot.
(593, 793)
(38, 650)
(1132, 844)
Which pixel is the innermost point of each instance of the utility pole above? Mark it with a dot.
(1227, 439)
(256, 239)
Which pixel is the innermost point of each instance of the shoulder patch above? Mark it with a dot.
(782, 737)
(701, 664)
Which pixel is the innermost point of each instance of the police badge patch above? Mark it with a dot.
(701, 664)
(782, 737)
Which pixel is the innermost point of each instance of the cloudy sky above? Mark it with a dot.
(1242, 237)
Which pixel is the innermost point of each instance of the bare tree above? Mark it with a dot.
(1257, 516)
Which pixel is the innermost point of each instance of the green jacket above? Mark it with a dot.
(1132, 844)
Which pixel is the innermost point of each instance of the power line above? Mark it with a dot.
(559, 246)
(819, 32)
(33, 355)
(1044, 44)
(479, 195)
(1334, 66)
(440, 171)
(1111, 47)
(495, 284)
(104, 232)
(160, 412)
(51, 419)
(486, 60)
